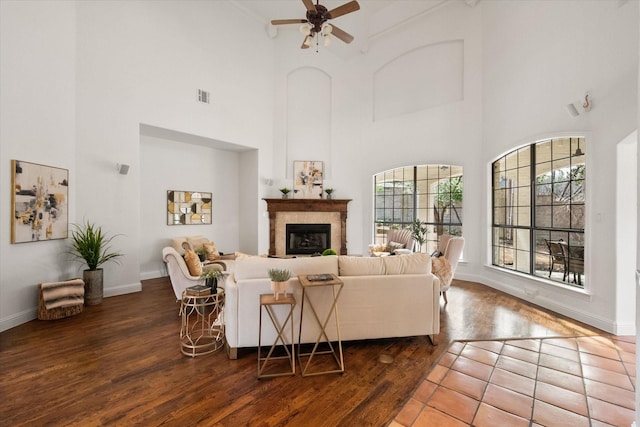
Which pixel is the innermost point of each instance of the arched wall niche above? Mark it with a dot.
(308, 134)
(423, 78)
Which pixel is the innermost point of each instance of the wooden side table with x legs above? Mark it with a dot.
(310, 283)
(268, 302)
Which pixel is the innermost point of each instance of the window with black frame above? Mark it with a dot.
(430, 194)
(539, 210)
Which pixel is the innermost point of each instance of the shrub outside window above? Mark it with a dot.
(538, 210)
(431, 194)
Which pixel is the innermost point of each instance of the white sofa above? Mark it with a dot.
(385, 297)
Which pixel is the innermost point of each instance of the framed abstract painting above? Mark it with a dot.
(307, 179)
(39, 202)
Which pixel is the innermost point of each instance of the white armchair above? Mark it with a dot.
(452, 252)
(401, 236)
(179, 274)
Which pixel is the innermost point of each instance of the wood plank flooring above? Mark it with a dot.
(119, 363)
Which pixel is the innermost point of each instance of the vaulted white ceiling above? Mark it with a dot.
(374, 19)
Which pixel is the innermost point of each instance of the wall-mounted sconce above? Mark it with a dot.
(587, 104)
(122, 169)
(572, 110)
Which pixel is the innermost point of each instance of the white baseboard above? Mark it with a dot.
(146, 275)
(18, 319)
(32, 313)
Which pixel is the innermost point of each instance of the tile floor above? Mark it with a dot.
(584, 381)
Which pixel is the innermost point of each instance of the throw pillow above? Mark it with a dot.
(193, 263)
(392, 246)
(212, 252)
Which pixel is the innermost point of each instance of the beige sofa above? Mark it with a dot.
(394, 296)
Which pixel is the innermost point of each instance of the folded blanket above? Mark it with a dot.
(62, 294)
(441, 268)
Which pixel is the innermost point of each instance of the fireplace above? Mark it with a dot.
(331, 212)
(305, 239)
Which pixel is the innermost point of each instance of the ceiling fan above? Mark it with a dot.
(317, 22)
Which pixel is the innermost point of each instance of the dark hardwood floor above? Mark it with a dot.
(119, 363)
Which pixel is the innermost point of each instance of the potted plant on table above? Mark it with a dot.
(279, 281)
(90, 245)
(210, 278)
(202, 253)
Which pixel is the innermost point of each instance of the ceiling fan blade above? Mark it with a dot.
(342, 35)
(287, 21)
(309, 5)
(352, 6)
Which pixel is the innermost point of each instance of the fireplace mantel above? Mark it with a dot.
(276, 206)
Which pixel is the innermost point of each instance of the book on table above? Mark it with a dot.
(319, 277)
(198, 290)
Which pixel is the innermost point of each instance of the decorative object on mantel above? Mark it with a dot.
(38, 202)
(188, 207)
(279, 281)
(90, 245)
(329, 191)
(329, 251)
(285, 192)
(317, 24)
(307, 179)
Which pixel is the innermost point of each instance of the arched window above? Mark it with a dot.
(430, 194)
(538, 210)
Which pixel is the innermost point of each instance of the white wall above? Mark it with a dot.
(167, 164)
(78, 80)
(37, 112)
(538, 57)
(359, 147)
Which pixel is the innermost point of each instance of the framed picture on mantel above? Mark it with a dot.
(307, 179)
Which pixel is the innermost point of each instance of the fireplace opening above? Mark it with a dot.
(305, 239)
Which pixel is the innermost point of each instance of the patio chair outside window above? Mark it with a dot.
(557, 256)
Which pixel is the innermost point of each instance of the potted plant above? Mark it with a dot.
(202, 253)
(328, 191)
(210, 278)
(419, 233)
(279, 281)
(285, 192)
(91, 246)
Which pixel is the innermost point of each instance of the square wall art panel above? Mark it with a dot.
(188, 207)
(39, 202)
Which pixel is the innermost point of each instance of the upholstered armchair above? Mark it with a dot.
(179, 273)
(400, 238)
(452, 252)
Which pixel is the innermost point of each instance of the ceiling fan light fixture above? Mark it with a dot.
(306, 28)
(326, 29)
(327, 40)
(308, 40)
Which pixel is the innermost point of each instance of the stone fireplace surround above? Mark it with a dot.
(306, 211)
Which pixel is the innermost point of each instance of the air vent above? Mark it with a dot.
(203, 96)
